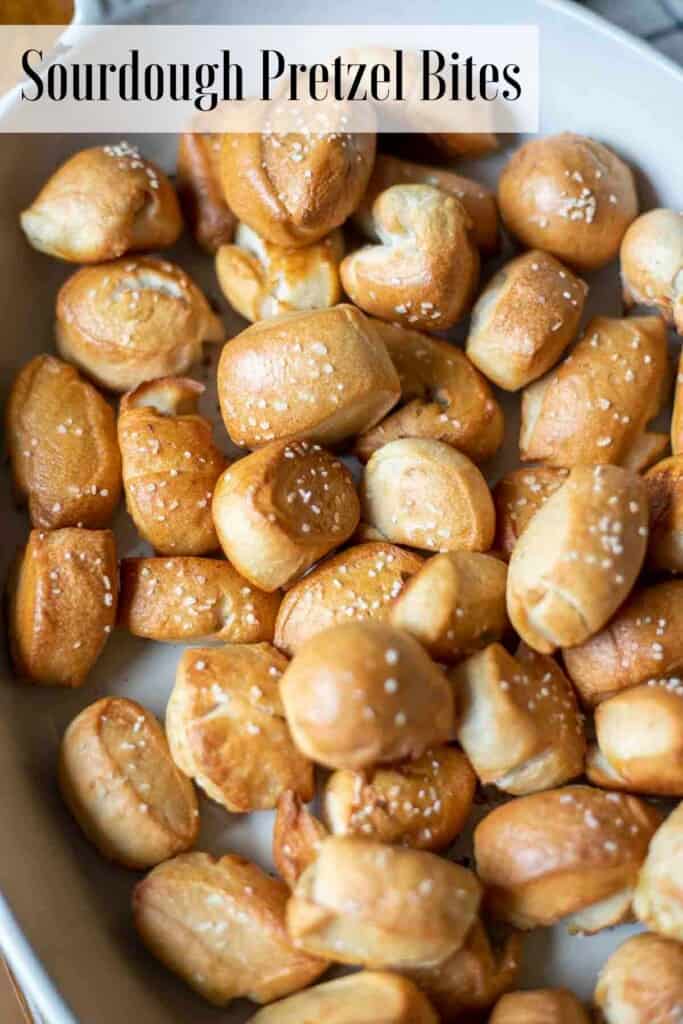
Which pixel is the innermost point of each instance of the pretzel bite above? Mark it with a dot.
(520, 726)
(540, 1006)
(357, 584)
(443, 398)
(119, 781)
(363, 902)
(478, 201)
(652, 264)
(227, 730)
(677, 416)
(297, 835)
(640, 739)
(570, 855)
(324, 375)
(368, 997)
(280, 509)
(63, 589)
(464, 144)
(454, 605)
(423, 803)
(659, 897)
(425, 269)
(517, 497)
(262, 280)
(364, 693)
(595, 406)
(102, 203)
(642, 983)
(220, 925)
(643, 640)
(211, 220)
(293, 188)
(185, 598)
(170, 466)
(133, 320)
(578, 558)
(570, 196)
(524, 319)
(427, 495)
(664, 483)
(61, 440)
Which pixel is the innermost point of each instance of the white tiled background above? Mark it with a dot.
(660, 22)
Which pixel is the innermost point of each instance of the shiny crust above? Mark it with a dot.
(102, 203)
(423, 804)
(119, 781)
(677, 415)
(578, 558)
(427, 495)
(659, 897)
(184, 598)
(570, 196)
(540, 1006)
(524, 319)
(572, 853)
(454, 605)
(595, 406)
(425, 269)
(199, 915)
(641, 982)
(297, 835)
(363, 694)
(664, 483)
(443, 398)
(63, 591)
(170, 466)
(643, 640)
(517, 498)
(337, 372)
(357, 584)
(520, 725)
(133, 320)
(281, 508)
(226, 727)
(209, 217)
(61, 440)
(652, 264)
(464, 144)
(362, 902)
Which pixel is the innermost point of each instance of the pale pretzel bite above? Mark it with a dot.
(427, 495)
(211, 220)
(464, 144)
(359, 583)
(219, 923)
(425, 269)
(324, 375)
(578, 558)
(454, 605)
(517, 498)
(63, 591)
(595, 406)
(262, 280)
(423, 803)
(659, 897)
(524, 319)
(444, 398)
(652, 264)
(642, 641)
(297, 835)
(101, 203)
(520, 725)
(133, 320)
(170, 465)
(281, 508)
(368, 997)
(478, 201)
(363, 902)
(364, 694)
(570, 196)
(119, 781)
(540, 1006)
(293, 188)
(61, 439)
(226, 727)
(185, 598)
(641, 983)
(664, 483)
(588, 846)
(640, 739)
